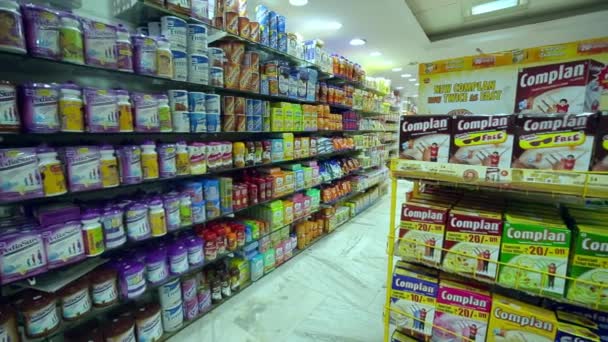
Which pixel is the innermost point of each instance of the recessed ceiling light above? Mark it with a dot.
(399, 88)
(417, 84)
(412, 80)
(298, 2)
(493, 6)
(406, 75)
(397, 69)
(358, 42)
(376, 54)
(334, 25)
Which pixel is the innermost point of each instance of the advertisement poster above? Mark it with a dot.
(569, 77)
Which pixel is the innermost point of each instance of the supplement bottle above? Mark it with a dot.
(71, 108)
(39, 311)
(164, 58)
(53, 178)
(11, 35)
(92, 233)
(149, 160)
(156, 216)
(70, 39)
(164, 114)
(125, 115)
(185, 210)
(124, 49)
(109, 167)
(182, 159)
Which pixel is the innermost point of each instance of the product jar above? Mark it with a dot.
(75, 300)
(121, 328)
(138, 227)
(39, 108)
(71, 108)
(156, 217)
(124, 49)
(157, 269)
(185, 210)
(131, 279)
(148, 322)
(64, 243)
(113, 227)
(125, 115)
(210, 245)
(51, 171)
(70, 39)
(167, 154)
(109, 167)
(178, 258)
(172, 215)
(11, 34)
(144, 55)
(164, 58)
(104, 290)
(164, 113)
(194, 245)
(92, 233)
(39, 310)
(149, 160)
(41, 31)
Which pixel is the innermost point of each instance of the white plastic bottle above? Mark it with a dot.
(149, 160)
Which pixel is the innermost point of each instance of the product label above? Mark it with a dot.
(100, 40)
(167, 158)
(105, 292)
(53, 179)
(93, 240)
(125, 118)
(425, 137)
(149, 164)
(72, 119)
(195, 255)
(198, 69)
(44, 319)
(70, 41)
(63, 244)
(197, 38)
(147, 56)
(137, 224)
(179, 263)
(157, 224)
(146, 115)
(8, 106)
(83, 169)
(185, 215)
(172, 215)
(45, 108)
(173, 317)
(109, 173)
(164, 118)
(176, 30)
(21, 256)
(113, 230)
(151, 329)
(204, 300)
(77, 304)
(136, 284)
(124, 60)
(157, 271)
(180, 66)
(170, 293)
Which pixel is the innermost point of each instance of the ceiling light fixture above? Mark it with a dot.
(406, 75)
(397, 69)
(493, 6)
(417, 84)
(376, 54)
(334, 25)
(412, 80)
(358, 42)
(298, 2)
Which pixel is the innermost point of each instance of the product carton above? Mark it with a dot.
(288, 139)
(290, 182)
(401, 337)
(277, 122)
(472, 239)
(589, 266)
(422, 228)
(566, 87)
(413, 297)
(569, 332)
(595, 321)
(556, 142)
(425, 137)
(485, 140)
(600, 156)
(512, 320)
(538, 251)
(288, 212)
(462, 312)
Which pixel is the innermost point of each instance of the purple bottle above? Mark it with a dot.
(124, 49)
(178, 258)
(42, 31)
(129, 159)
(144, 54)
(99, 44)
(172, 217)
(157, 269)
(138, 226)
(167, 161)
(194, 245)
(39, 105)
(131, 278)
(113, 227)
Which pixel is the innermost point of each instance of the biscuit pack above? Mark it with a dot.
(425, 138)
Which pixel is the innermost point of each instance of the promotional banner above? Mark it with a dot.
(570, 77)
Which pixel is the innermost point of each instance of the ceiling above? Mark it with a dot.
(408, 32)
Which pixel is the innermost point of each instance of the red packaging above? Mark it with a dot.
(231, 22)
(252, 190)
(240, 105)
(261, 183)
(244, 196)
(252, 58)
(236, 197)
(229, 105)
(254, 31)
(244, 27)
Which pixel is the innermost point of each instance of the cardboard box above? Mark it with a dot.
(482, 140)
(425, 137)
(567, 87)
(556, 141)
(600, 155)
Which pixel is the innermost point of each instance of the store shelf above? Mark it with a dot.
(335, 79)
(575, 183)
(126, 188)
(350, 195)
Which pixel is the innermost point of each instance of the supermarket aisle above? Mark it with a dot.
(334, 291)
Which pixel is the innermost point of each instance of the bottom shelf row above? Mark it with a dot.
(108, 305)
(426, 304)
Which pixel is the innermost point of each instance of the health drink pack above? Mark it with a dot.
(425, 138)
(512, 320)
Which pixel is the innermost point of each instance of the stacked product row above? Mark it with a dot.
(426, 304)
(563, 142)
(523, 245)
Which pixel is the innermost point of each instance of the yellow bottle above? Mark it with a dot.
(164, 58)
(182, 159)
(53, 179)
(149, 160)
(71, 108)
(125, 115)
(109, 168)
(238, 154)
(156, 216)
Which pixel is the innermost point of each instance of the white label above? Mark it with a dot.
(76, 304)
(181, 122)
(195, 255)
(102, 49)
(48, 39)
(179, 263)
(85, 173)
(104, 116)
(170, 294)
(147, 117)
(104, 292)
(156, 272)
(44, 319)
(8, 113)
(173, 317)
(21, 179)
(65, 245)
(180, 69)
(199, 71)
(136, 284)
(150, 330)
(137, 225)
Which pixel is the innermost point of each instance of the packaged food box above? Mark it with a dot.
(413, 297)
(566, 87)
(600, 155)
(555, 142)
(598, 319)
(472, 240)
(589, 266)
(512, 320)
(462, 311)
(485, 140)
(425, 137)
(571, 332)
(538, 252)
(422, 230)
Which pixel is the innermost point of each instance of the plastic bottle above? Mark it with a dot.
(92, 232)
(109, 167)
(182, 159)
(125, 115)
(156, 216)
(149, 160)
(53, 178)
(164, 113)
(71, 108)
(124, 49)
(70, 39)
(185, 210)
(164, 58)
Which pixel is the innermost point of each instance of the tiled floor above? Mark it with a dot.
(334, 291)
